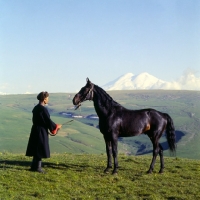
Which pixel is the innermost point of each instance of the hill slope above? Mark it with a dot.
(182, 106)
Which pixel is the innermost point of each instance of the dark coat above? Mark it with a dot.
(38, 144)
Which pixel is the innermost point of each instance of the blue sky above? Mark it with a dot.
(55, 45)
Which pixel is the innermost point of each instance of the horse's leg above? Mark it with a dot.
(161, 159)
(109, 156)
(155, 143)
(114, 151)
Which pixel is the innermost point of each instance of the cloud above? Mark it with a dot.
(4, 86)
(171, 86)
(189, 80)
(2, 93)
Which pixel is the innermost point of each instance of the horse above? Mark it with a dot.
(117, 121)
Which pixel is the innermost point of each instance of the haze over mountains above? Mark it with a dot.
(146, 81)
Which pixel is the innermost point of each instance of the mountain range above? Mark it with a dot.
(145, 81)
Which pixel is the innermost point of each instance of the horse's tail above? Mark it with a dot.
(170, 134)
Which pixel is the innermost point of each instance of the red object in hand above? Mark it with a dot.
(54, 132)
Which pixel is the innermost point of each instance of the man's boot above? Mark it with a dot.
(39, 167)
(34, 165)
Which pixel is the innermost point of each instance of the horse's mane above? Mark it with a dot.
(105, 97)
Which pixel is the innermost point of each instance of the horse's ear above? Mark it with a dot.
(87, 80)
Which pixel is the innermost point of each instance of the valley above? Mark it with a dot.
(83, 135)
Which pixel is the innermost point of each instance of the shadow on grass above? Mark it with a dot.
(10, 163)
(76, 168)
(19, 165)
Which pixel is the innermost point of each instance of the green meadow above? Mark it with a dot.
(80, 176)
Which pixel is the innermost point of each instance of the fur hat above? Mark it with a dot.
(42, 95)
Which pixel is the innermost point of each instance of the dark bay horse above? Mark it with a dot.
(116, 121)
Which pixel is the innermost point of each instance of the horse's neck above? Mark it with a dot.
(103, 103)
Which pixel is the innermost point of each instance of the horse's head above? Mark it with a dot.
(86, 93)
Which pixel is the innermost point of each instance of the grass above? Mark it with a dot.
(80, 176)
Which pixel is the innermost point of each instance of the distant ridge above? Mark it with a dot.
(146, 81)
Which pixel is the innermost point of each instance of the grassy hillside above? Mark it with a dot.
(74, 138)
(71, 176)
(182, 106)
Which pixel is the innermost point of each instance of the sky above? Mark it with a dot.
(54, 45)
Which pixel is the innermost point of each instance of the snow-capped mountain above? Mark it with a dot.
(144, 80)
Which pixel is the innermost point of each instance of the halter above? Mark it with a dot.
(91, 93)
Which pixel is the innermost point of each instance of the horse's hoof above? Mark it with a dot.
(106, 171)
(149, 171)
(161, 171)
(114, 173)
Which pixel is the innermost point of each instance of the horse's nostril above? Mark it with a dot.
(75, 100)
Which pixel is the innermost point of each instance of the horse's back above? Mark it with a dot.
(134, 122)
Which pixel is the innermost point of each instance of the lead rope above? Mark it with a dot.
(68, 122)
(80, 110)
